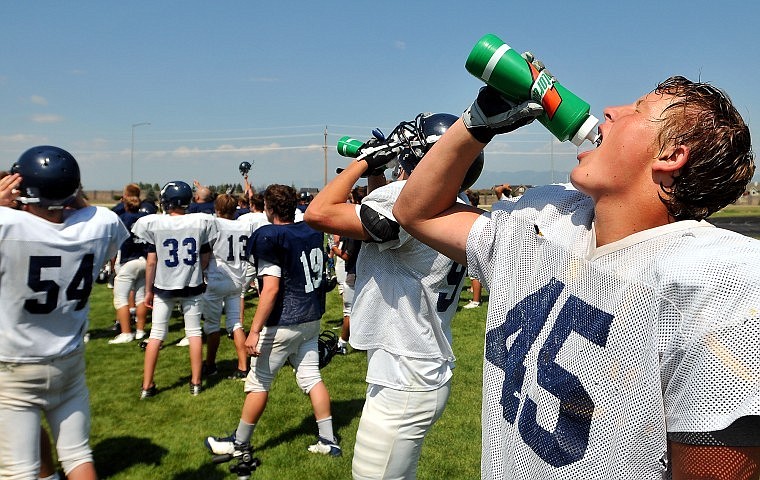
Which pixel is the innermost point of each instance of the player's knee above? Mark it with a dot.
(74, 458)
(158, 331)
(120, 302)
(193, 331)
(308, 378)
(210, 327)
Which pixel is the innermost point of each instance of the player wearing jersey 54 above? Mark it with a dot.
(623, 331)
(50, 253)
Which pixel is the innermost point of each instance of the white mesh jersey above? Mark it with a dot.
(403, 282)
(592, 355)
(46, 275)
(178, 240)
(255, 219)
(229, 246)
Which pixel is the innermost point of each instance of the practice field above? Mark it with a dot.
(162, 437)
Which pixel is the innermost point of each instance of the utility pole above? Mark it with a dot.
(325, 150)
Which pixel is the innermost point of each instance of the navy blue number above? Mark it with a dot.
(81, 285)
(243, 240)
(79, 289)
(454, 280)
(173, 245)
(35, 282)
(569, 440)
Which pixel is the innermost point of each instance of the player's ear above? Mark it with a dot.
(671, 159)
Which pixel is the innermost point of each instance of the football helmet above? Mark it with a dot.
(327, 344)
(418, 137)
(49, 177)
(176, 194)
(244, 168)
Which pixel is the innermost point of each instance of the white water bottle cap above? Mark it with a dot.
(586, 132)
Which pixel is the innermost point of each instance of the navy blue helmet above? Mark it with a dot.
(244, 168)
(176, 194)
(49, 176)
(427, 129)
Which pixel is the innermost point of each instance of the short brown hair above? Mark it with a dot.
(720, 163)
(282, 200)
(131, 203)
(132, 190)
(225, 206)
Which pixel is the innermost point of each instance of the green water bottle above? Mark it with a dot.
(565, 115)
(349, 147)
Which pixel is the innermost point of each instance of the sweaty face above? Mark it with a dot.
(629, 145)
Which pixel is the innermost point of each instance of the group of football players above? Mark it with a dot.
(622, 334)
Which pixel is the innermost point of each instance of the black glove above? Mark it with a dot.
(491, 114)
(379, 161)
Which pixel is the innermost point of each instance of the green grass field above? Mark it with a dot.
(162, 437)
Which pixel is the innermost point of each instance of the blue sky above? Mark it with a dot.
(223, 82)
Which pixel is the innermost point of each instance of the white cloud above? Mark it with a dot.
(400, 44)
(38, 100)
(46, 118)
(22, 138)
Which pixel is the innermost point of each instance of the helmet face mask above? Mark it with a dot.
(176, 194)
(420, 135)
(50, 177)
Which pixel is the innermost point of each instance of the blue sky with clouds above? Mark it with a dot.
(222, 82)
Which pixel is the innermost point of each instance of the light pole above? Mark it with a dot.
(132, 152)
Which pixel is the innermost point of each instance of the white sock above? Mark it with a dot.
(325, 427)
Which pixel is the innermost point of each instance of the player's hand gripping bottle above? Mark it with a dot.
(565, 115)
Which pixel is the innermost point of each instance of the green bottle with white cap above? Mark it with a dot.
(565, 115)
(349, 147)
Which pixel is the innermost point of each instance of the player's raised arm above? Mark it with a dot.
(426, 207)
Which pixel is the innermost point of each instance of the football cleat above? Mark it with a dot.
(149, 392)
(326, 447)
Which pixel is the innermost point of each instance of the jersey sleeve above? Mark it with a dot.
(119, 231)
(263, 247)
(141, 230)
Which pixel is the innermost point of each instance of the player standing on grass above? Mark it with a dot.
(226, 276)
(178, 253)
(49, 258)
(623, 332)
(406, 296)
(289, 259)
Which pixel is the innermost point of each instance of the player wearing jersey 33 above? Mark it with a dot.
(406, 295)
(179, 250)
(623, 331)
(289, 259)
(50, 255)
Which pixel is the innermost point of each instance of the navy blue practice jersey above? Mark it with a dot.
(297, 254)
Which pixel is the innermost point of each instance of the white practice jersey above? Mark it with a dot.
(46, 275)
(178, 241)
(255, 219)
(403, 283)
(229, 247)
(593, 354)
